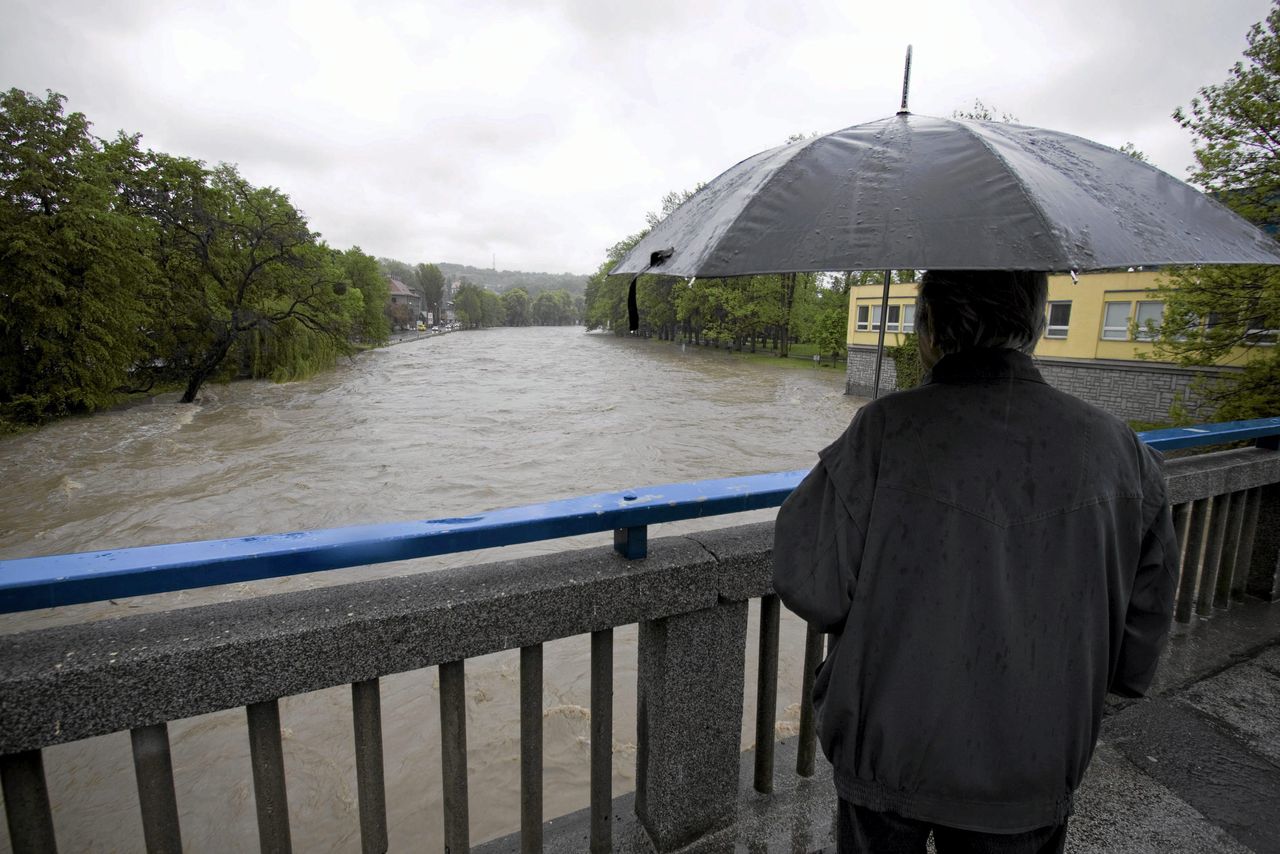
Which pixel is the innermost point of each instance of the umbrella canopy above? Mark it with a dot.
(914, 192)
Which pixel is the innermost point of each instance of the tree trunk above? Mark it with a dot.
(788, 297)
(207, 367)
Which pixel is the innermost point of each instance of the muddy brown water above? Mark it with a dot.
(436, 427)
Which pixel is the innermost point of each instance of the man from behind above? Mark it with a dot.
(991, 556)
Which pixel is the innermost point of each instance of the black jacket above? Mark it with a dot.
(993, 556)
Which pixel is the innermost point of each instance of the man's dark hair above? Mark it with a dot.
(967, 309)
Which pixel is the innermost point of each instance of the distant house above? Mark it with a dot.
(401, 294)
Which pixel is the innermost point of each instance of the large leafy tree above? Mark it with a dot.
(244, 269)
(515, 303)
(1212, 311)
(369, 322)
(491, 311)
(553, 308)
(76, 278)
(468, 303)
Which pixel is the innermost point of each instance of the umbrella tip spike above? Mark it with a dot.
(906, 83)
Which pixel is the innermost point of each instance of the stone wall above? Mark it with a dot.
(860, 371)
(1142, 391)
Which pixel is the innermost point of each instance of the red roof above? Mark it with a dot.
(398, 288)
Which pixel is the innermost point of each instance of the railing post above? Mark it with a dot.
(632, 543)
(1192, 556)
(453, 757)
(689, 723)
(602, 741)
(1263, 571)
(153, 765)
(807, 748)
(767, 693)
(1244, 552)
(266, 752)
(26, 803)
(531, 749)
(366, 714)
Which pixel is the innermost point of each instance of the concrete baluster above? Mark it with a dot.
(689, 723)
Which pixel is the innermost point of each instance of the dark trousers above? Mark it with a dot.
(860, 830)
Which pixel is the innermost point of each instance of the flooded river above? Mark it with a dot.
(435, 427)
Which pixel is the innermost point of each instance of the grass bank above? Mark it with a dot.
(800, 358)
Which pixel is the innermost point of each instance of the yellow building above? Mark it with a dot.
(1094, 345)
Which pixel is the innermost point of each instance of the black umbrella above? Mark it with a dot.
(912, 192)
(915, 193)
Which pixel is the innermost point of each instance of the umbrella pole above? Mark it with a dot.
(884, 321)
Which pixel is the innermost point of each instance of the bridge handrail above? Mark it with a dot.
(54, 580)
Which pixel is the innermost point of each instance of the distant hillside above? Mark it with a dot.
(504, 280)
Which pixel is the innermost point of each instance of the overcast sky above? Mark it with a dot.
(541, 132)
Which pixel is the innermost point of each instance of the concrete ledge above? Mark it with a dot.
(73, 682)
(1201, 476)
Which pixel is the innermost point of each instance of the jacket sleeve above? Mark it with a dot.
(816, 550)
(821, 529)
(1155, 587)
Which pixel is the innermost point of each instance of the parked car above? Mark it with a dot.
(422, 327)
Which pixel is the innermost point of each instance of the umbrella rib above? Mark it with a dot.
(1022, 188)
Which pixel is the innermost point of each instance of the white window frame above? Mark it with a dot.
(895, 319)
(875, 317)
(909, 318)
(862, 322)
(1059, 331)
(1143, 334)
(1113, 332)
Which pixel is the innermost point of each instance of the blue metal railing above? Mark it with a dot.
(43, 582)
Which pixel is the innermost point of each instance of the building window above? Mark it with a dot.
(1150, 315)
(1059, 319)
(1257, 332)
(895, 314)
(875, 316)
(1115, 321)
(863, 324)
(909, 318)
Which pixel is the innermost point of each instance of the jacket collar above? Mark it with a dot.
(984, 364)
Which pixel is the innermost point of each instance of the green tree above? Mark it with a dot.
(515, 303)
(552, 308)
(242, 266)
(492, 312)
(76, 278)
(606, 296)
(429, 282)
(468, 303)
(1211, 311)
(831, 321)
(369, 324)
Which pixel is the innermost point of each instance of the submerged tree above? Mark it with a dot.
(243, 267)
